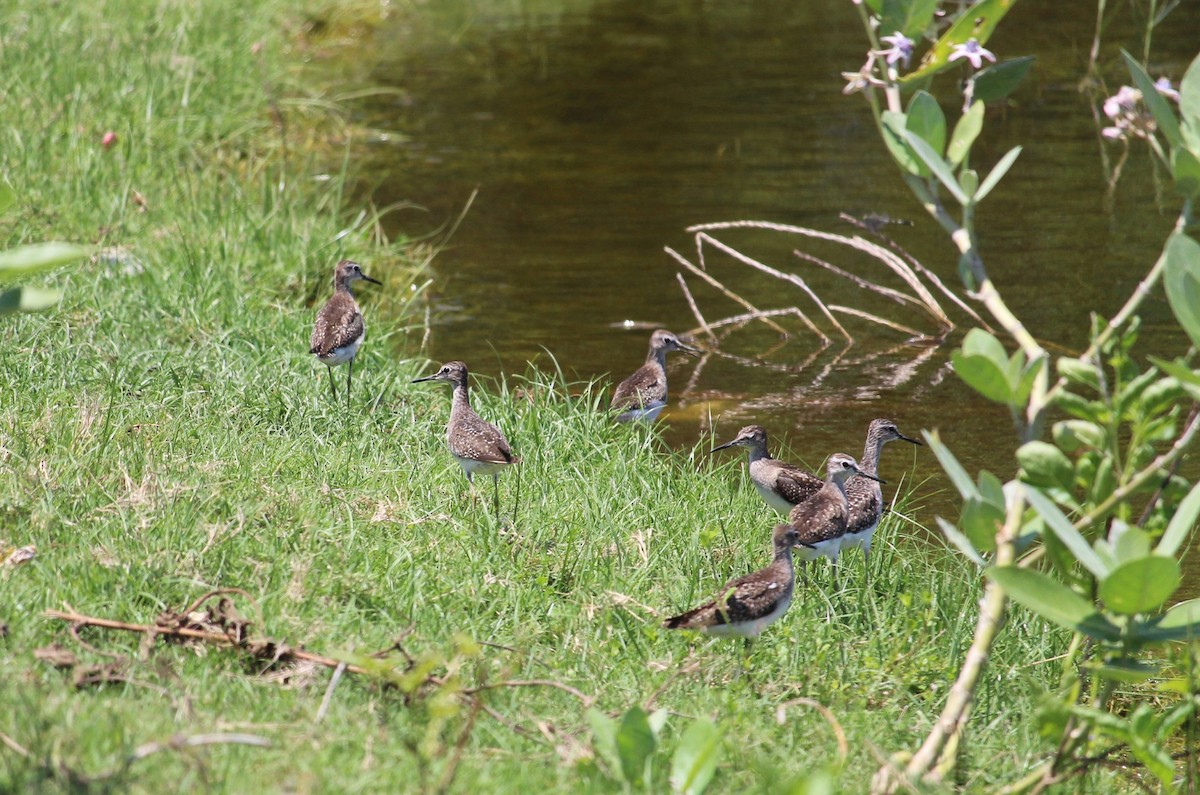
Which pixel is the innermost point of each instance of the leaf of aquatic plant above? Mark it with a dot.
(966, 130)
(28, 299)
(975, 22)
(1159, 107)
(1189, 106)
(961, 542)
(954, 470)
(997, 81)
(635, 744)
(1182, 371)
(1140, 586)
(1181, 277)
(1180, 623)
(893, 136)
(1026, 378)
(1077, 371)
(8, 196)
(1073, 435)
(36, 257)
(937, 165)
(656, 720)
(979, 521)
(1181, 524)
(910, 17)
(997, 173)
(1128, 543)
(695, 758)
(876, 6)
(926, 119)
(981, 374)
(604, 739)
(1043, 464)
(981, 342)
(990, 488)
(1058, 523)
(1185, 169)
(1053, 601)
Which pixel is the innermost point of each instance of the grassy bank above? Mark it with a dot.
(164, 433)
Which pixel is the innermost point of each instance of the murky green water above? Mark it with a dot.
(596, 132)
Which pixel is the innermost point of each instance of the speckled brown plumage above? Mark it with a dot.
(749, 604)
(643, 394)
(781, 485)
(475, 443)
(864, 495)
(339, 329)
(820, 521)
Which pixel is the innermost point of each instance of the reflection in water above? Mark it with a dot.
(597, 132)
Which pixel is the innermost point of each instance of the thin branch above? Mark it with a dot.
(778, 274)
(687, 294)
(731, 295)
(846, 310)
(866, 284)
(333, 682)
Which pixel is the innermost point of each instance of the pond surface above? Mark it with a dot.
(592, 134)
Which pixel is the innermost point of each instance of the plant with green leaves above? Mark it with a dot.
(1088, 532)
(627, 748)
(23, 261)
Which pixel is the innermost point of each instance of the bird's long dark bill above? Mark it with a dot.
(722, 447)
(426, 378)
(872, 477)
(690, 351)
(914, 441)
(367, 278)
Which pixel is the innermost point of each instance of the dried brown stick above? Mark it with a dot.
(731, 295)
(921, 269)
(846, 310)
(687, 294)
(889, 259)
(778, 274)
(197, 634)
(866, 284)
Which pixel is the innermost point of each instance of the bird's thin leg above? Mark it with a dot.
(496, 495)
(349, 376)
(332, 385)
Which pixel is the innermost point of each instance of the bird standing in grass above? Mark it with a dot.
(642, 395)
(781, 485)
(749, 604)
(820, 521)
(476, 444)
(863, 494)
(339, 330)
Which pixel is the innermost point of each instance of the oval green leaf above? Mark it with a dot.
(1181, 277)
(969, 125)
(26, 260)
(695, 759)
(1140, 586)
(982, 375)
(1001, 79)
(1045, 465)
(926, 119)
(1053, 601)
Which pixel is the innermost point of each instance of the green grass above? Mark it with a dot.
(164, 432)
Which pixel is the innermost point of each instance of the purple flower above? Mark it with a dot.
(1124, 101)
(1163, 86)
(973, 52)
(901, 49)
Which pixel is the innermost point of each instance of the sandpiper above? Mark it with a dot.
(339, 330)
(642, 395)
(863, 494)
(820, 521)
(781, 485)
(476, 444)
(748, 605)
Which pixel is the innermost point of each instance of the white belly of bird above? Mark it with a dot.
(343, 354)
(860, 540)
(750, 629)
(473, 467)
(647, 413)
(821, 549)
(772, 499)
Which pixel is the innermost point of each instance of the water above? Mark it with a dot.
(595, 133)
